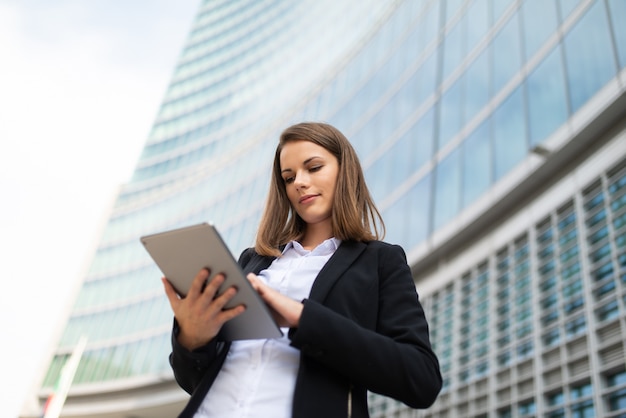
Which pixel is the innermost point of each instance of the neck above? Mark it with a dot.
(315, 234)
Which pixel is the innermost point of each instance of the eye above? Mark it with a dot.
(315, 168)
(288, 180)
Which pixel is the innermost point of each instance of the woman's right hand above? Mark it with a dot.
(201, 314)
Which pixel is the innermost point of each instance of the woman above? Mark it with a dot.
(347, 301)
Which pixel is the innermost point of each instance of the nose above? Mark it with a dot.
(301, 180)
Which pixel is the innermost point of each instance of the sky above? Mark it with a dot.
(80, 86)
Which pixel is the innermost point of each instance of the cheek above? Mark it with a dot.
(331, 185)
(291, 194)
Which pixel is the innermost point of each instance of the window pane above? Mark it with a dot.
(617, 11)
(377, 176)
(429, 25)
(402, 160)
(476, 163)
(617, 400)
(499, 6)
(506, 53)
(540, 21)
(476, 85)
(422, 132)
(450, 114)
(427, 73)
(589, 55)
(395, 232)
(447, 190)
(547, 106)
(452, 50)
(477, 22)
(418, 213)
(566, 7)
(452, 6)
(414, 207)
(617, 379)
(509, 133)
(52, 377)
(555, 399)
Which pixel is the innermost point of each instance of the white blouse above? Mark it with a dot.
(259, 376)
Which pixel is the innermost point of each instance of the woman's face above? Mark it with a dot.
(309, 173)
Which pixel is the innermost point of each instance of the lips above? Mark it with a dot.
(307, 198)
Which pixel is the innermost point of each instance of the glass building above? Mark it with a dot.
(493, 135)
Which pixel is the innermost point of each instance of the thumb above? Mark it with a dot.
(171, 294)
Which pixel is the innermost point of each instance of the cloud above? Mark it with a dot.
(81, 83)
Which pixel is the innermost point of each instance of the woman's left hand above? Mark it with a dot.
(286, 311)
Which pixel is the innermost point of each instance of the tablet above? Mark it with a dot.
(181, 253)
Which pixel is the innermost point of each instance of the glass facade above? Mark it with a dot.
(444, 102)
(538, 325)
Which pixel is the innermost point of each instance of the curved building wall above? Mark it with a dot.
(529, 317)
(453, 106)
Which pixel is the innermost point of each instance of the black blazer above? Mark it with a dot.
(362, 328)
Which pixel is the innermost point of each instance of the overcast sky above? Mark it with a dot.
(80, 85)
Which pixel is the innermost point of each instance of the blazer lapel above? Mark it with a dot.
(257, 264)
(343, 258)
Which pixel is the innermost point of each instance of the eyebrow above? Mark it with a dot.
(305, 162)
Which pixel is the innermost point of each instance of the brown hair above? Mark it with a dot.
(354, 215)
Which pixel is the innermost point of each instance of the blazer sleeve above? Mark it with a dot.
(190, 367)
(393, 358)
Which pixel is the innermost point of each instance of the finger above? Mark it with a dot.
(267, 293)
(218, 303)
(228, 314)
(171, 294)
(254, 281)
(257, 284)
(213, 287)
(198, 283)
(286, 311)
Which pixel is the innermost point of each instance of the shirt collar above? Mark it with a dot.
(329, 246)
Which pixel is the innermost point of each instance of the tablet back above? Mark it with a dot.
(181, 253)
